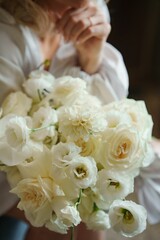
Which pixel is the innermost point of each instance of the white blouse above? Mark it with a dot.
(20, 53)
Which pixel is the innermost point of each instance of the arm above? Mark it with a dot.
(109, 83)
(88, 29)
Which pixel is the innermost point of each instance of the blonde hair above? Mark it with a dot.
(29, 13)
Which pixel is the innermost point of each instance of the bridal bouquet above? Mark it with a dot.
(69, 158)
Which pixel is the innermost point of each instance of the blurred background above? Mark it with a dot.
(136, 34)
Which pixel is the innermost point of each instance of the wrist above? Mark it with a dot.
(90, 61)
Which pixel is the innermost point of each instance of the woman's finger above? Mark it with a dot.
(72, 17)
(100, 31)
(82, 25)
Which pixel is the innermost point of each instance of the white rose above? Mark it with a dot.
(127, 218)
(122, 148)
(81, 122)
(36, 195)
(138, 113)
(39, 84)
(98, 220)
(82, 171)
(17, 103)
(112, 185)
(115, 118)
(44, 121)
(66, 211)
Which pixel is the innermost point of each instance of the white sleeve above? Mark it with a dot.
(109, 83)
(11, 60)
(147, 188)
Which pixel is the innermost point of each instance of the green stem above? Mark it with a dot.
(72, 233)
(41, 128)
(46, 63)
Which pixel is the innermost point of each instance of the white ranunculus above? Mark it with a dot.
(98, 220)
(82, 171)
(55, 224)
(81, 122)
(122, 148)
(112, 185)
(66, 211)
(44, 121)
(127, 218)
(36, 195)
(17, 103)
(39, 84)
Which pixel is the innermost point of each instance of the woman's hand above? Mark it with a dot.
(88, 29)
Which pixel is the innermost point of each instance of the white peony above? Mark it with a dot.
(127, 218)
(39, 84)
(17, 103)
(77, 122)
(82, 171)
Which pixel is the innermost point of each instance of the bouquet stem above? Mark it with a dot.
(72, 233)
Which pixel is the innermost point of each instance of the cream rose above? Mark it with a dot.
(36, 195)
(122, 148)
